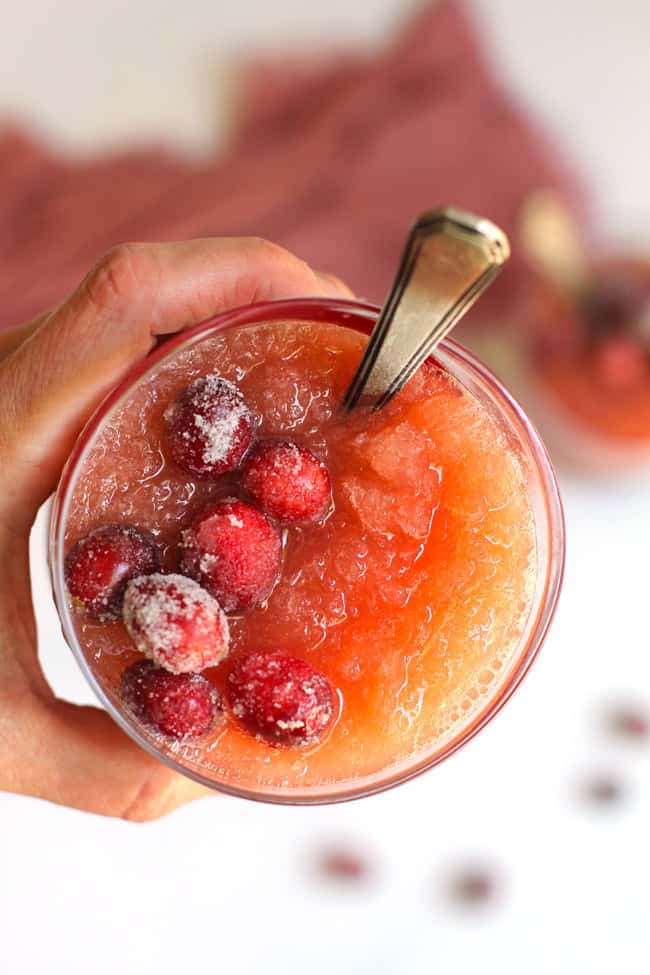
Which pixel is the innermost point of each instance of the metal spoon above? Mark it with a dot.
(449, 260)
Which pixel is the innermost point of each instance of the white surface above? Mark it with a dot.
(226, 885)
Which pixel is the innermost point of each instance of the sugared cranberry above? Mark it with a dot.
(344, 864)
(288, 482)
(99, 566)
(234, 552)
(281, 700)
(629, 722)
(209, 427)
(175, 623)
(622, 363)
(183, 706)
(603, 790)
(472, 886)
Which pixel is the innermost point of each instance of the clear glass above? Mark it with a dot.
(542, 489)
(591, 425)
(573, 444)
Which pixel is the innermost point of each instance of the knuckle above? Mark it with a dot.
(272, 254)
(262, 247)
(337, 283)
(265, 264)
(114, 277)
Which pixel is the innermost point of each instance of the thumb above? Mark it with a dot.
(137, 292)
(77, 756)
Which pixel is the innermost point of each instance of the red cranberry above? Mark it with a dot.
(603, 790)
(234, 551)
(99, 566)
(621, 363)
(628, 722)
(288, 482)
(343, 864)
(281, 700)
(473, 886)
(183, 706)
(210, 427)
(175, 623)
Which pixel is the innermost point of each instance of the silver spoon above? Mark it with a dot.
(450, 258)
(550, 237)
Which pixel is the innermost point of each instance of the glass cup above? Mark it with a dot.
(544, 498)
(585, 367)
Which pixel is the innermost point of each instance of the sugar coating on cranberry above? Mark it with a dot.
(234, 552)
(183, 706)
(99, 567)
(288, 482)
(281, 700)
(175, 623)
(210, 427)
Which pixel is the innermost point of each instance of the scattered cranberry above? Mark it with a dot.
(210, 427)
(603, 791)
(281, 700)
(621, 363)
(175, 623)
(183, 706)
(345, 865)
(629, 723)
(99, 566)
(288, 482)
(473, 886)
(234, 551)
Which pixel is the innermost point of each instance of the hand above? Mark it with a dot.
(53, 372)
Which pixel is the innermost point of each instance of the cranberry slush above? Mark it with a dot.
(589, 365)
(283, 599)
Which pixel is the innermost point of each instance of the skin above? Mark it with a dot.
(53, 372)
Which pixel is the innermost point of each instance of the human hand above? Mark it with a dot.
(53, 373)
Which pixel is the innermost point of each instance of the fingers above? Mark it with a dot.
(55, 750)
(51, 383)
(76, 756)
(334, 286)
(54, 373)
(12, 338)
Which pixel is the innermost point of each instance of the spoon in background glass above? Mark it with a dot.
(611, 296)
(550, 238)
(449, 259)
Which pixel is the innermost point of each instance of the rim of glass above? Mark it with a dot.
(361, 317)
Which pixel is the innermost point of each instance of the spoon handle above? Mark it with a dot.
(449, 259)
(549, 235)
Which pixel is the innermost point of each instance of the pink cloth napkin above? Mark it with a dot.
(333, 157)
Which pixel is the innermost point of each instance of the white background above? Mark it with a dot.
(230, 886)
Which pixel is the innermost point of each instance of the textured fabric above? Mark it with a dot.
(333, 157)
